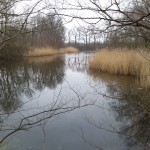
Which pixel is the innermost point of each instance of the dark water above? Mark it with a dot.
(57, 103)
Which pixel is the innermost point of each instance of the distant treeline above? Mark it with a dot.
(19, 33)
(32, 28)
(131, 29)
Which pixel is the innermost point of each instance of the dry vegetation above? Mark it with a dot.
(122, 61)
(50, 51)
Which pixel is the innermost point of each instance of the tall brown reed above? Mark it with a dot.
(122, 61)
(50, 51)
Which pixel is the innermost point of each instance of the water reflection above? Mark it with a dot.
(78, 62)
(46, 72)
(132, 105)
(18, 79)
(13, 82)
(41, 89)
(35, 89)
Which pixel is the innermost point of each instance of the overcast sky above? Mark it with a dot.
(68, 22)
(70, 7)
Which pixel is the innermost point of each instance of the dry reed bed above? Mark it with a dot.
(122, 61)
(50, 51)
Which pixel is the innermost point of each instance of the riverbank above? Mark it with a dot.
(122, 61)
(50, 51)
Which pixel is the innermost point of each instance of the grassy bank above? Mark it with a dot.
(50, 51)
(122, 61)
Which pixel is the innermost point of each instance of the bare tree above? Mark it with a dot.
(17, 28)
(115, 17)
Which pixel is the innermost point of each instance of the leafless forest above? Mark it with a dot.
(110, 76)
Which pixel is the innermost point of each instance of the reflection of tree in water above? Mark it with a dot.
(13, 82)
(47, 74)
(22, 78)
(78, 62)
(27, 77)
(132, 106)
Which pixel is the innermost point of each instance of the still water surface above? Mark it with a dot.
(57, 103)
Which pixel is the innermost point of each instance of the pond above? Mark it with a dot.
(58, 103)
